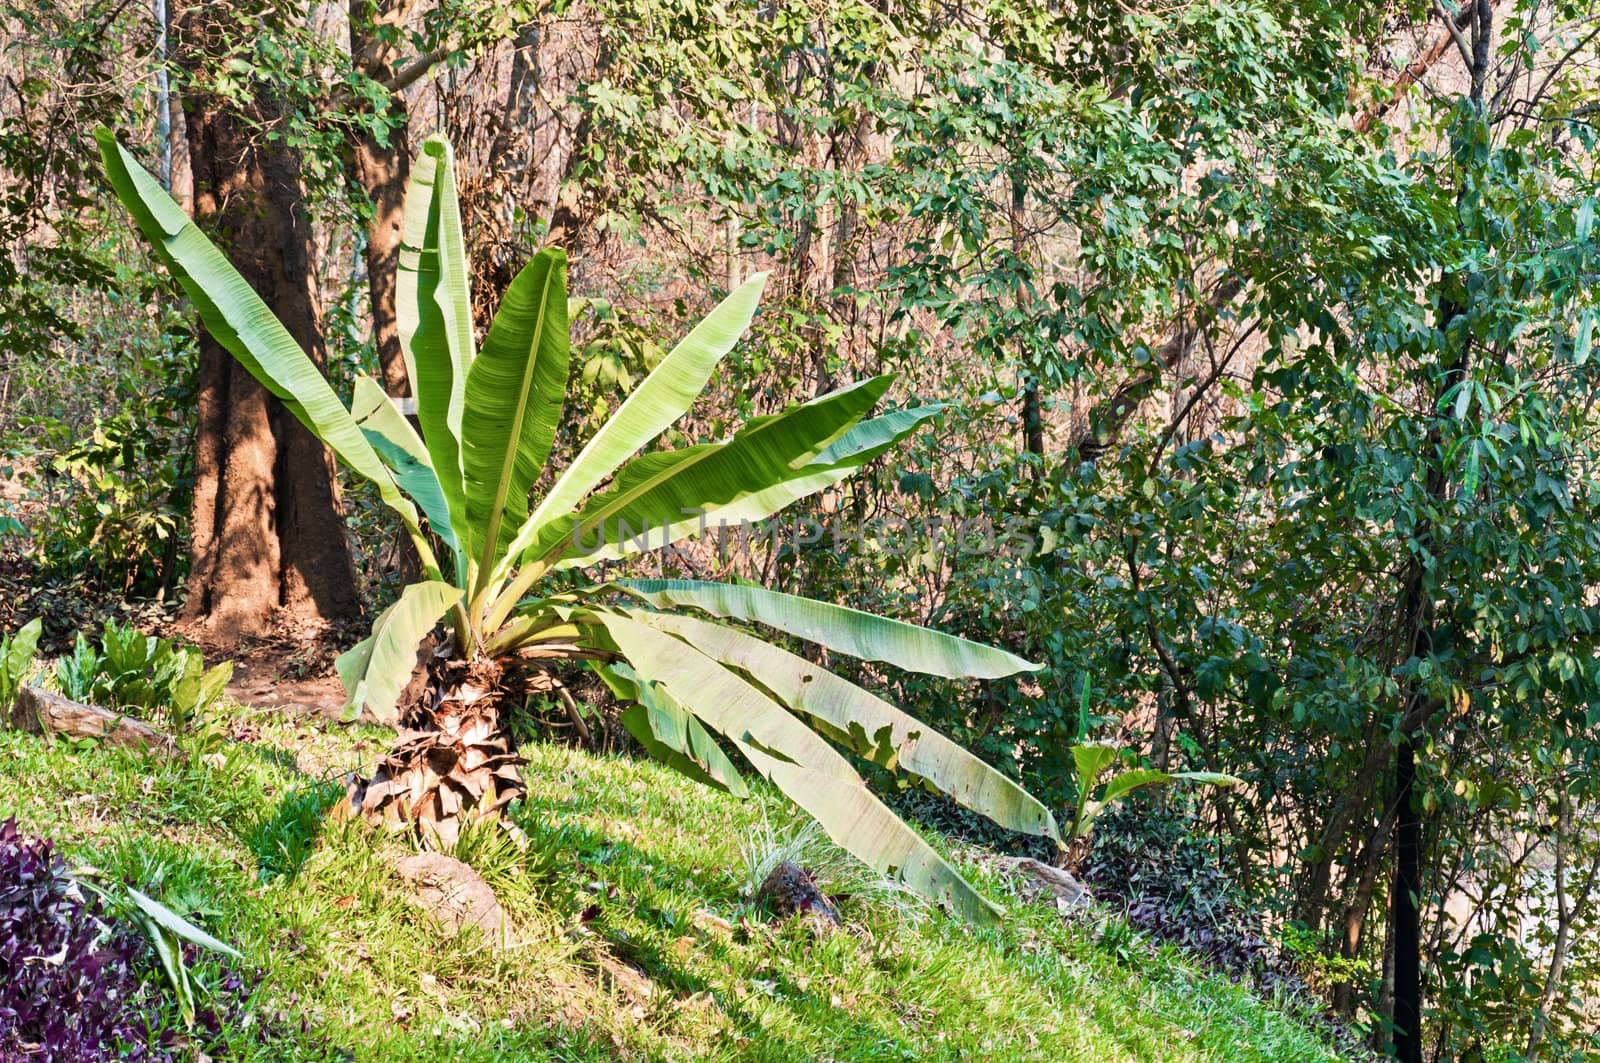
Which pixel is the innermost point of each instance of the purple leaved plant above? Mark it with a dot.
(78, 985)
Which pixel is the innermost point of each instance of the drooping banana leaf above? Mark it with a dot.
(659, 400)
(434, 312)
(864, 827)
(809, 771)
(869, 439)
(236, 318)
(375, 670)
(671, 733)
(515, 393)
(392, 436)
(739, 709)
(658, 490)
(868, 725)
(848, 631)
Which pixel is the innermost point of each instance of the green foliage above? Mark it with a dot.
(282, 842)
(16, 660)
(132, 670)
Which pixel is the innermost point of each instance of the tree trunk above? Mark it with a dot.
(1406, 910)
(267, 536)
(381, 168)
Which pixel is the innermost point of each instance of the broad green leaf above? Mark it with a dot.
(847, 631)
(515, 393)
(18, 656)
(738, 710)
(1091, 761)
(809, 772)
(870, 726)
(402, 450)
(375, 670)
(170, 952)
(869, 439)
(671, 733)
(1129, 781)
(863, 443)
(434, 314)
(657, 491)
(664, 396)
(237, 319)
(167, 919)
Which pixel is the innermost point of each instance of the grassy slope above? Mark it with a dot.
(350, 962)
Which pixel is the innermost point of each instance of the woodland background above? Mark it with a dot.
(1271, 325)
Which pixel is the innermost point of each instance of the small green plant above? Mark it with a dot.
(1093, 759)
(16, 660)
(132, 670)
(283, 841)
(166, 930)
(75, 673)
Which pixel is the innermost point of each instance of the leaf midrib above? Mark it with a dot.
(514, 439)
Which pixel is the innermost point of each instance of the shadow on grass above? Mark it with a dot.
(640, 880)
(283, 841)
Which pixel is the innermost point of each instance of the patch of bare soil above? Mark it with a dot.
(291, 668)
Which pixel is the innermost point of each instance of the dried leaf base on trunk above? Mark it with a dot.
(451, 763)
(39, 711)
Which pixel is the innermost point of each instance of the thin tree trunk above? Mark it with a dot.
(267, 536)
(381, 167)
(1406, 908)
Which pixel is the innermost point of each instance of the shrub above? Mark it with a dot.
(72, 983)
(1168, 880)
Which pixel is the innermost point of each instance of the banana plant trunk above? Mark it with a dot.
(452, 761)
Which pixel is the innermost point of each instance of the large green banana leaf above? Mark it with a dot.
(375, 670)
(739, 710)
(869, 439)
(389, 432)
(848, 631)
(434, 312)
(237, 318)
(515, 393)
(868, 725)
(809, 771)
(663, 396)
(863, 443)
(671, 733)
(659, 490)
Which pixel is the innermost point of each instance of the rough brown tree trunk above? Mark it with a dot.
(267, 536)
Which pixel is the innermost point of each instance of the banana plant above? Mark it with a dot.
(506, 577)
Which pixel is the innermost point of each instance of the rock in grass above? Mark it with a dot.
(790, 890)
(454, 894)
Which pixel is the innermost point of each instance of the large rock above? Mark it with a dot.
(454, 894)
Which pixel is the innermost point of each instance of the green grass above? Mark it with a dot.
(634, 937)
